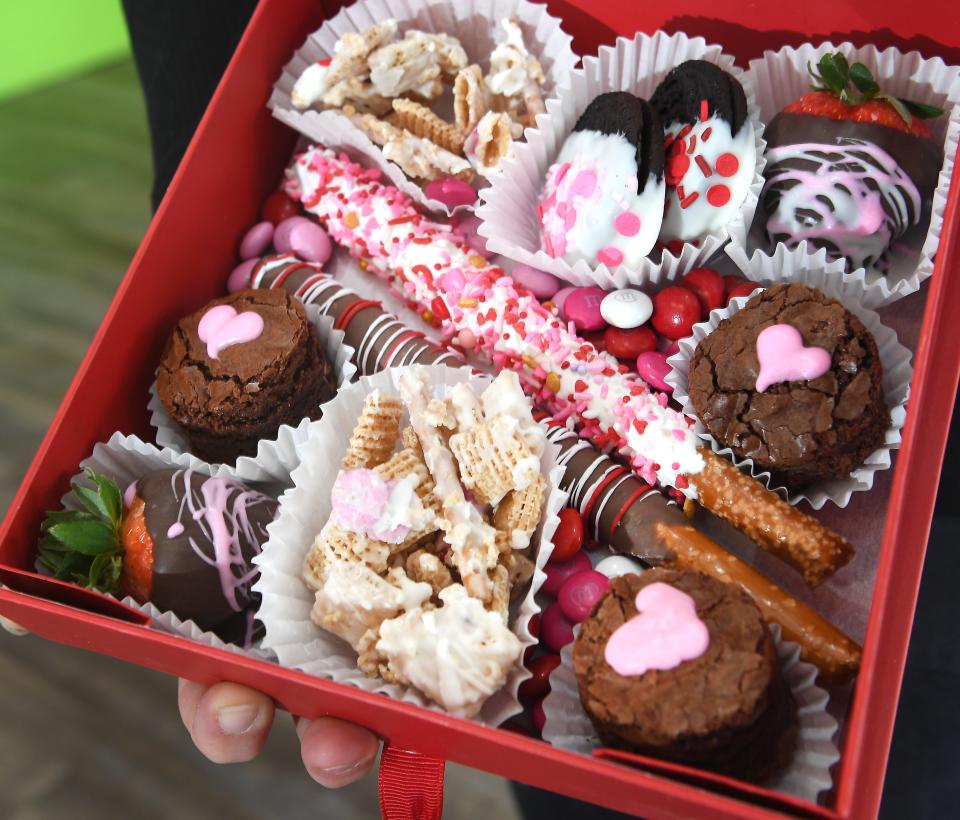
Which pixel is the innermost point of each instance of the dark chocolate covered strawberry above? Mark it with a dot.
(180, 540)
(849, 169)
(710, 148)
(602, 199)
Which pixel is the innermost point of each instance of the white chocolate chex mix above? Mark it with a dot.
(426, 609)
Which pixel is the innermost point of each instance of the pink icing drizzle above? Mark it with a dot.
(784, 358)
(221, 326)
(175, 529)
(224, 524)
(665, 632)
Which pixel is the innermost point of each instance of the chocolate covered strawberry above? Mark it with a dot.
(849, 169)
(180, 540)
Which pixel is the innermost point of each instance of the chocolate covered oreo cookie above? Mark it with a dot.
(602, 199)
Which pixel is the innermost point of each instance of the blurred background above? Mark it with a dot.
(87, 737)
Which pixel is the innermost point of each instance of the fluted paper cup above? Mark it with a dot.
(277, 457)
(781, 77)
(475, 23)
(897, 373)
(125, 459)
(304, 509)
(508, 210)
(808, 774)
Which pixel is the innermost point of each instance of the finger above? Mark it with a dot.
(336, 753)
(230, 723)
(188, 697)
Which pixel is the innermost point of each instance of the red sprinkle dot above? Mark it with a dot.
(727, 165)
(718, 195)
(704, 110)
(679, 163)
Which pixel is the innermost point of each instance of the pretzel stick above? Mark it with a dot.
(476, 302)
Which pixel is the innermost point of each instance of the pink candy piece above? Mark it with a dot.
(451, 191)
(357, 498)
(466, 338)
(784, 357)
(221, 326)
(582, 307)
(560, 298)
(664, 633)
(558, 573)
(580, 593)
(467, 228)
(652, 367)
(304, 238)
(555, 630)
(541, 284)
(256, 240)
(239, 277)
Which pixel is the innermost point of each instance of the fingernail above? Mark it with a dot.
(339, 770)
(235, 720)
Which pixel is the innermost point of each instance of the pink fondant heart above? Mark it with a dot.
(664, 633)
(222, 326)
(784, 358)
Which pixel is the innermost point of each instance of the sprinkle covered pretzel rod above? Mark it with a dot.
(619, 508)
(479, 307)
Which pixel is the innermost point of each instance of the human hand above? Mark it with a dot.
(230, 723)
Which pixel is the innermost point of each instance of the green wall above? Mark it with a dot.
(45, 41)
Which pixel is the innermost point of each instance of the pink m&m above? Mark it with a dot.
(541, 284)
(256, 240)
(240, 276)
(560, 299)
(304, 238)
(556, 631)
(580, 593)
(582, 307)
(450, 191)
(558, 573)
(652, 367)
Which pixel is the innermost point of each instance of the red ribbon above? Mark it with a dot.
(411, 785)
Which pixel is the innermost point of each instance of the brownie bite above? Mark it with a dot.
(803, 431)
(237, 369)
(727, 710)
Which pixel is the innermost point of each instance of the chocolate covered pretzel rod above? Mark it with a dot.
(619, 508)
(482, 307)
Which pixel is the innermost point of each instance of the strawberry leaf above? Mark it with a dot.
(104, 572)
(831, 73)
(86, 537)
(922, 110)
(897, 106)
(863, 80)
(92, 501)
(109, 492)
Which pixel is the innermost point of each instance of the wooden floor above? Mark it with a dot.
(81, 736)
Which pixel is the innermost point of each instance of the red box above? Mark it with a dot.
(235, 158)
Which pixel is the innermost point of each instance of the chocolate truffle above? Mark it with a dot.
(802, 430)
(240, 367)
(727, 710)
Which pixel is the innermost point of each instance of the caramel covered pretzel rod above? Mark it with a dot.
(481, 307)
(619, 508)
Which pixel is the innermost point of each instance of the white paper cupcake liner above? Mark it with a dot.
(781, 77)
(808, 774)
(508, 212)
(304, 509)
(125, 459)
(276, 458)
(897, 373)
(476, 23)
